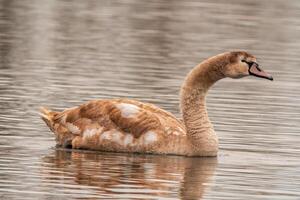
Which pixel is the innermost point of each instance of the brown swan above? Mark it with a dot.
(123, 125)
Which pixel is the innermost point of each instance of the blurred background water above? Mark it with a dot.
(61, 53)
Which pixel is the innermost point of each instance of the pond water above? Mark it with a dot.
(62, 53)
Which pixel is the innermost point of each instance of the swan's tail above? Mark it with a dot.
(48, 116)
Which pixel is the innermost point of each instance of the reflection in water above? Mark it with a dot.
(131, 175)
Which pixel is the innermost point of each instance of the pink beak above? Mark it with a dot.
(255, 70)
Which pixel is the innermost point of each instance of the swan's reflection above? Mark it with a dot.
(133, 174)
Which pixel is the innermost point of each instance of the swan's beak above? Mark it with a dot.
(255, 70)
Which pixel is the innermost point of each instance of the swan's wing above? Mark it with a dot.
(124, 115)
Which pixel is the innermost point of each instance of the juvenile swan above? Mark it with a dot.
(123, 125)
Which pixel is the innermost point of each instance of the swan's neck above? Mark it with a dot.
(200, 132)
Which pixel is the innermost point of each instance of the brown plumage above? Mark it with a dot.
(124, 125)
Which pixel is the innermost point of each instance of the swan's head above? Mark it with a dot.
(240, 64)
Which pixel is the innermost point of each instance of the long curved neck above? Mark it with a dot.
(200, 132)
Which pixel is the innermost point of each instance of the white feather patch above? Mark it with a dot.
(105, 135)
(150, 137)
(176, 133)
(88, 133)
(116, 137)
(128, 139)
(128, 110)
(72, 128)
(113, 136)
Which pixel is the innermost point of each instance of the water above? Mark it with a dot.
(62, 53)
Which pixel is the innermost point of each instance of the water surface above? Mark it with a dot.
(63, 53)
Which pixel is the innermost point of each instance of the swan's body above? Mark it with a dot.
(123, 125)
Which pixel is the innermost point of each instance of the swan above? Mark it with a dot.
(124, 125)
